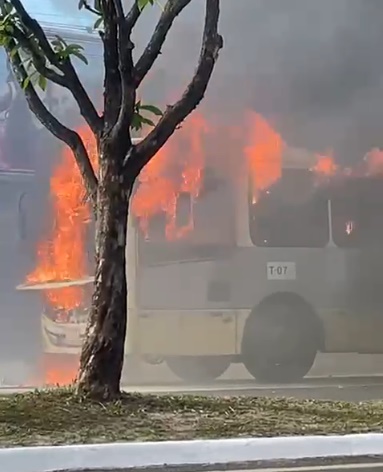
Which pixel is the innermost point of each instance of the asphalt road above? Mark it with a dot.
(339, 390)
(312, 466)
(347, 377)
(352, 389)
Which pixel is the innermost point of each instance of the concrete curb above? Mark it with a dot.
(189, 453)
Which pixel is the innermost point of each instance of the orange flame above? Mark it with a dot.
(177, 168)
(62, 256)
(325, 165)
(59, 370)
(263, 154)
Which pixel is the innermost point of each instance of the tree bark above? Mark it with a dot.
(103, 350)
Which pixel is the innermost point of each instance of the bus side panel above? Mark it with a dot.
(210, 301)
(239, 282)
(183, 323)
(194, 332)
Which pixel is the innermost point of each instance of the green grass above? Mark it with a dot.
(59, 417)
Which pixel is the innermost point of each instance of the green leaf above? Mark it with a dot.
(98, 23)
(4, 40)
(42, 82)
(152, 109)
(136, 122)
(147, 121)
(73, 47)
(143, 3)
(80, 56)
(62, 40)
(59, 43)
(26, 82)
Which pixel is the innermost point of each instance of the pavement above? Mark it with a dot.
(339, 388)
(343, 377)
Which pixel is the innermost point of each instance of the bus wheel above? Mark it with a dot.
(281, 339)
(198, 369)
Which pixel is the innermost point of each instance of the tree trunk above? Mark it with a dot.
(103, 350)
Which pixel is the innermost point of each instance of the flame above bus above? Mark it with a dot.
(263, 153)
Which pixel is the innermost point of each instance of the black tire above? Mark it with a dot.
(281, 340)
(198, 369)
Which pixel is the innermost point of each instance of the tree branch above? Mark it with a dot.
(72, 82)
(119, 11)
(37, 59)
(132, 17)
(34, 27)
(126, 67)
(87, 109)
(68, 136)
(112, 80)
(84, 4)
(141, 154)
(171, 10)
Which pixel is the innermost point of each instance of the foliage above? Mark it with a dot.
(139, 120)
(17, 38)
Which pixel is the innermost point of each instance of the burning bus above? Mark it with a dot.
(266, 266)
(260, 254)
(240, 249)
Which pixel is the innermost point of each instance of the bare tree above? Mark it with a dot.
(120, 161)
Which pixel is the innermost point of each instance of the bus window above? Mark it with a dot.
(291, 213)
(205, 227)
(357, 212)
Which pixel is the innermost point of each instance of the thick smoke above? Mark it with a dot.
(311, 67)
